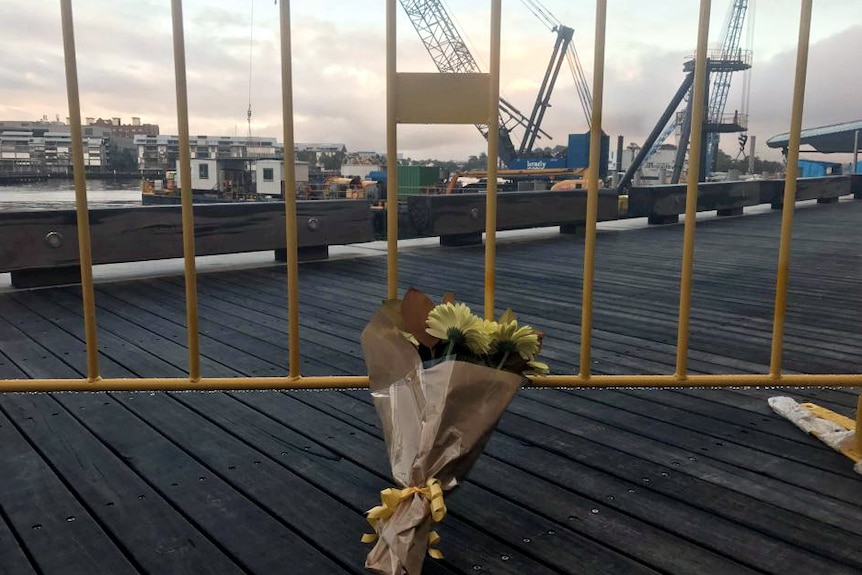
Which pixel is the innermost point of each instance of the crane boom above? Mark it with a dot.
(543, 99)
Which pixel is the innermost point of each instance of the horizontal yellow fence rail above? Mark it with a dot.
(406, 102)
(357, 381)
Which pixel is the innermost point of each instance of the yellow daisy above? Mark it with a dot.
(457, 325)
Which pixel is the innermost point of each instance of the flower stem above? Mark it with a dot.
(449, 348)
(503, 361)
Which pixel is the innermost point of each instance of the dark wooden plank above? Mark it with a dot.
(608, 300)
(118, 356)
(58, 531)
(740, 409)
(714, 502)
(843, 401)
(249, 534)
(708, 515)
(257, 311)
(330, 514)
(563, 551)
(30, 358)
(612, 528)
(13, 557)
(147, 348)
(623, 316)
(154, 534)
(703, 465)
(652, 320)
(154, 232)
(694, 419)
(305, 453)
(753, 399)
(219, 341)
(366, 299)
(249, 347)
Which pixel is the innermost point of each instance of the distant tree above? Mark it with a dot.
(307, 156)
(447, 165)
(121, 159)
(479, 162)
(331, 161)
(725, 163)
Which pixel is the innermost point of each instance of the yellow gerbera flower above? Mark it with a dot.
(456, 324)
(492, 328)
(521, 340)
(538, 367)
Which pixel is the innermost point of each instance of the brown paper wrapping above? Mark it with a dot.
(436, 421)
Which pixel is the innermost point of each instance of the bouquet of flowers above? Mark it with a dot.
(441, 378)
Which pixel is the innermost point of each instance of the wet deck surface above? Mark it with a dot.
(681, 481)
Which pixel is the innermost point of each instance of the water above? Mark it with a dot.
(59, 194)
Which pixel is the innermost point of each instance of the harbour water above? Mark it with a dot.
(59, 194)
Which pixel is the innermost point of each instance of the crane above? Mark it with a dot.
(720, 65)
(720, 88)
(450, 54)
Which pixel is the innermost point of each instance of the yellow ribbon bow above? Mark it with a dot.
(391, 498)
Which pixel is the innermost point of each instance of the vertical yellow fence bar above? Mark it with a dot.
(493, 152)
(83, 217)
(191, 279)
(790, 190)
(391, 155)
(292, 240)
(593, 190)
(694, 156)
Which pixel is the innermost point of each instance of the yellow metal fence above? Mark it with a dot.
(426, 99)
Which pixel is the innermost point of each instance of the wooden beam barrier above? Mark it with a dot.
(856, 186)
(459, 219)
(41, 248)
(664, 204)
(825, 190)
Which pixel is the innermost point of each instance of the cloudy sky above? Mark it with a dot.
(126, 68)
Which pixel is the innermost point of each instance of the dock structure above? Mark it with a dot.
(573, 481)
(677, 480)
(9, 178)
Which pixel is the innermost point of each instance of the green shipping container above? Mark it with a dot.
(413, 179)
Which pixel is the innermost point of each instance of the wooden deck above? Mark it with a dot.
(616, 482)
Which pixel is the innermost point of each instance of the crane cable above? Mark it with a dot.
(542, 13)
(471, 48)
(250, 54)
(746, 76)
(746, 80)
(581, 85)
